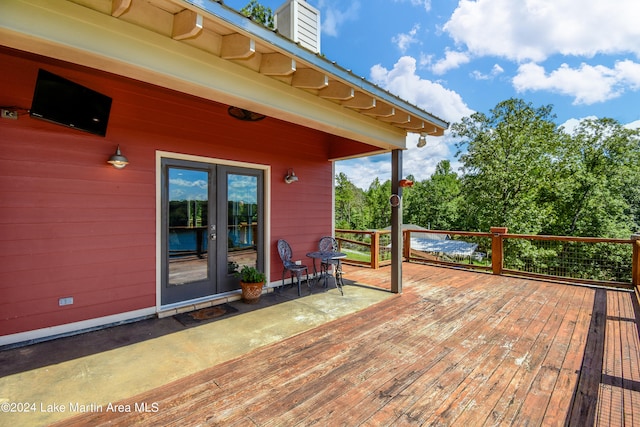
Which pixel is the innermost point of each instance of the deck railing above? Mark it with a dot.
(589, 260)
(367, 248)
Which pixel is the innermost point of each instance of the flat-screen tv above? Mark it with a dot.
(64, 102)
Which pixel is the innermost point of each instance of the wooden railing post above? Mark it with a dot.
(375, 250)
(635, 265)
(406, 245)
(497, 253)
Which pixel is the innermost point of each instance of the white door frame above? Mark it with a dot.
(267, 217)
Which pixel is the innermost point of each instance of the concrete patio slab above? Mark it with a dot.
(61, 378)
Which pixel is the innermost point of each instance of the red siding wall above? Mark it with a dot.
(71, 225)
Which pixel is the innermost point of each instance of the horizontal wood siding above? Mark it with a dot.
(72, 226)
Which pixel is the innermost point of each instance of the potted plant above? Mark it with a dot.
(251, 280)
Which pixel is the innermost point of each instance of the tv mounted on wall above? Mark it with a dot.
(64, 102)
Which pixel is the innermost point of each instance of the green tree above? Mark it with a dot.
(444, 192)
(350, 209)
(434, 203)
(259, 13)
(378, 207)
(508, 166)
(598, 187)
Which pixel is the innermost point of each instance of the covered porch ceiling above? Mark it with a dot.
(206, 49)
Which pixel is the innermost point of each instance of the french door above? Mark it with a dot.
(212, 225)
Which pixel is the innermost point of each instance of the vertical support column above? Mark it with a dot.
(396, 223)
(497, 254)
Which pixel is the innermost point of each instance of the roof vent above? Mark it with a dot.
(299, 21)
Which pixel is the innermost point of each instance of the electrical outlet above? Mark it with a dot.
(9, 114)
(65, 301)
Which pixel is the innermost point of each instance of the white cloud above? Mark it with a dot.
(536, 29)
(404, 40)
(424, 3)
(333, 17)
(633, 125)
(403, 81)
(587, 84)
(629, 73)
(422, 162)
(419, 162)
(572, 124)
(361, 172)
(496, 70)
(452, 59)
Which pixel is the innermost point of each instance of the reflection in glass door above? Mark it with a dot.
(212, 225)
(188, 226)
(188, 231)
(242, 219)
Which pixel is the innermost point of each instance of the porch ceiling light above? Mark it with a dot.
(245, 115)
(290, 176)
(422, 141)
(118, 161)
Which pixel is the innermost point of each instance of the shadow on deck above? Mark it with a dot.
(455, 348)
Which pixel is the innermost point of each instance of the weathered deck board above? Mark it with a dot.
(456, 348)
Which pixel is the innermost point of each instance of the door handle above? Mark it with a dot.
(212, 234)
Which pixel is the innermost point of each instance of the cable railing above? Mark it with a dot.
(587, 260)
(574, 259)
(370, 248)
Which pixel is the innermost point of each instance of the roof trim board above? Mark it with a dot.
(279, 42)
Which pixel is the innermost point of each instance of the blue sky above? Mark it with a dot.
(187, 184)
(454, 57)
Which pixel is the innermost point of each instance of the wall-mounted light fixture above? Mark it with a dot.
(290, 176)
(118, 161)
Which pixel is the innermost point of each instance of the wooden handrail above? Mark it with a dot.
(497, 236)
(566, 238)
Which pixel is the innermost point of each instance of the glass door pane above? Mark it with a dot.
(242, 221)
(188, 226)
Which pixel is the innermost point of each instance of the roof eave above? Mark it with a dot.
(286, 46)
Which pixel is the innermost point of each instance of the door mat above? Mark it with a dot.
(205, 314)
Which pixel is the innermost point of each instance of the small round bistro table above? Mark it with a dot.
(325, 256)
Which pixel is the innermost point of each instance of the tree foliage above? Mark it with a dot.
(521, 171)
(259, 13)
(597, 192)
(507, 166)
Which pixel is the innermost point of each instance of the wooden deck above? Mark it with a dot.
(456, 348)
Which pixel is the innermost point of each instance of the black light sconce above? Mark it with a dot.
(290, 176)
(118, 161)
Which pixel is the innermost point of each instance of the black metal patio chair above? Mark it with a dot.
(284, 250)
(328, 244)
(327, 266)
